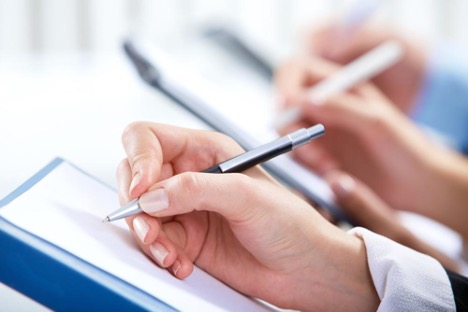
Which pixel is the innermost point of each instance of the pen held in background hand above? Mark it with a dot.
(241, 162)
(361, 69)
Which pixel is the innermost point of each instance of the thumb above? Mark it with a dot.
(144, 157)
(230, 195)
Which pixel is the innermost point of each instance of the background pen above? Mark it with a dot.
(241, 162)
(361, 69)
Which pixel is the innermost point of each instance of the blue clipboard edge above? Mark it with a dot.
(31, 181)
(57, 278)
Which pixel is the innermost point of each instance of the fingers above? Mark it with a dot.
(157, 151)
(145, 156)
(357, 110)
(175, 242)
(294, 77)
(316, 157)
(152, 240)
(291, 78)
(340, 111)
(363, 206)
(191, 191)
(124, 178)
(164, 251)
(353, 109)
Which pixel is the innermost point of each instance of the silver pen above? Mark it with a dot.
(241, 162)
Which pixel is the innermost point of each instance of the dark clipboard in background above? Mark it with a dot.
(152, 71)
(234, 44)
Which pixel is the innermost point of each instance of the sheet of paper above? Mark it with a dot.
(66, 208)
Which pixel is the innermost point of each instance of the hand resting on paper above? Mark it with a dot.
(245, 229)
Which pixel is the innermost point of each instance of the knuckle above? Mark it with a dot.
(192, 184)
(121, 167)
(223, 138)
(377, 121)
(231, 145)
(225, 146)
(131, 129)
(244, 183)
(142, 158)
(246, 188)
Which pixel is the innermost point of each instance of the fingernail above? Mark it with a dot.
(154, 201)
(176, 266)
(141, 227)
(136, 179)
(159, 252)
(343, 186)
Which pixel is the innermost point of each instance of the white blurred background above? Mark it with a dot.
(44, 29)
(44, 26)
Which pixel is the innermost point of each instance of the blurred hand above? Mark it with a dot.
(245, 229)
(366, 209)
(401, 83)
(365, 134)
(371, 139)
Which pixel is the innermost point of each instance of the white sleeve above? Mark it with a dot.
(405, 280)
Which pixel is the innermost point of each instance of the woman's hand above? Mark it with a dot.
(245, 229)
(371, 139)
(401, 83)
(366, 135)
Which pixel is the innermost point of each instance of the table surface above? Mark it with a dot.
(75, 107)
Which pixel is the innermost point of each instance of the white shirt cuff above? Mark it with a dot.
(405, 279)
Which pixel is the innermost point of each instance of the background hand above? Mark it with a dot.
(366, 209)
(366, 135)
(371, 139)
(402, 82)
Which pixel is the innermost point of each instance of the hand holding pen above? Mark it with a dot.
(245, 229)
(402, 82)
(368, 135)
(240, 163)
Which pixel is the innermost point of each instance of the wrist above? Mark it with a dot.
(342, 279)
(449, 189)
(357, 280)
(404, 278)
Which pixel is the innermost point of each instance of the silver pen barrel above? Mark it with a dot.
(304, 136)
(128, 210)
(271, 149)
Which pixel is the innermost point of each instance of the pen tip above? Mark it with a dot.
(106, 219)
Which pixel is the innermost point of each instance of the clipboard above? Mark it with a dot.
(99, 267)
(57, 278)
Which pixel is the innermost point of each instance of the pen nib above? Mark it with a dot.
(106, 219)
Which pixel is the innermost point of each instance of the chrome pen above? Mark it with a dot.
(241, 162)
